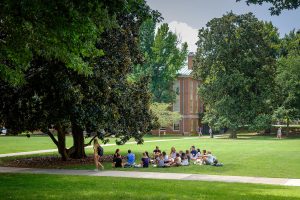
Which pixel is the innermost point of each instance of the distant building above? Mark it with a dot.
(188, 102)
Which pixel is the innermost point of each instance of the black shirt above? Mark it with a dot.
(118, 162)
(145, 162)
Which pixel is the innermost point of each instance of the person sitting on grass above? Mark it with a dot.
(209, 159)
(177, 161)
(98, 152)
(173, 153)
(193, 153)
(185, 161)
(130, 159)
(117, 152)
(161, 161)
(198, 155)
(166, 157)
(118, 163)
(156, 152)
(187, 153)
(145, 161)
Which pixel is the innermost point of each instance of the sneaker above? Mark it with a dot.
(96, 170)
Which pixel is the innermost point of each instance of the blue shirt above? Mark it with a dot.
(130, 158)
(194, 152)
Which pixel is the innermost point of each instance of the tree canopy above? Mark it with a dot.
(288, 78)
(162, 59)
(278, 5)
(53, 92)
(235, 62)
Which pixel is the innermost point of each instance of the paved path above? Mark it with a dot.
(157, 175)
(55, 150)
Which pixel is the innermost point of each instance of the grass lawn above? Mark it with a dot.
(17, 186)
(253, 156)
(13, 144)
(248, 156)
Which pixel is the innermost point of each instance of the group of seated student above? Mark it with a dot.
(162, 159)
(118, 162)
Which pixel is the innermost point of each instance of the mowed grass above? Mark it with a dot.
(14, 144)
(18, 186)
(256, 156)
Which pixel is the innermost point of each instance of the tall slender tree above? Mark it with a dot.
(163, 59)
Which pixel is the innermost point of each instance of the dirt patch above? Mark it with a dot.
(53, 162)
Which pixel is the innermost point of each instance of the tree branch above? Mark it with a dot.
(52, 138)
(89, 143)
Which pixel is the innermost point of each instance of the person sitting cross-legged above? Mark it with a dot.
(130, 159)
(184, 161)
(156, 152)
(177, 161)
(145, 161)
(118, 162)
(161, 161)
(209, 159)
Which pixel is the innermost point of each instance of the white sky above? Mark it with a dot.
(185, 17)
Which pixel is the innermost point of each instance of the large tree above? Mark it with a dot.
(235, 62)
(162, 59)
(54, 93)
(63, 30)
(278, 5)
(288, 78)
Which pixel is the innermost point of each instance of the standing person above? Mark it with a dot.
(200, 131)
(279, 133)
(98, 152)
(210, 132)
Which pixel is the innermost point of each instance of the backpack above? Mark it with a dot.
(100, 151)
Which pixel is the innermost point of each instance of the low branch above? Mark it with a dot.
(52, 137)
(89, 143)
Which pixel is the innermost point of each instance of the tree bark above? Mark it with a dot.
(61, 135)
(287, 126)
(78, 142)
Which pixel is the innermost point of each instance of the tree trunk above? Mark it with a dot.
(78, 142)
(233, 135)
(267, 131)
(287, 127)
(61, 135)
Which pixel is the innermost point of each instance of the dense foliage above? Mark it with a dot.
(288, 79)
(163, 59)
(53, 92)
(235, 61)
